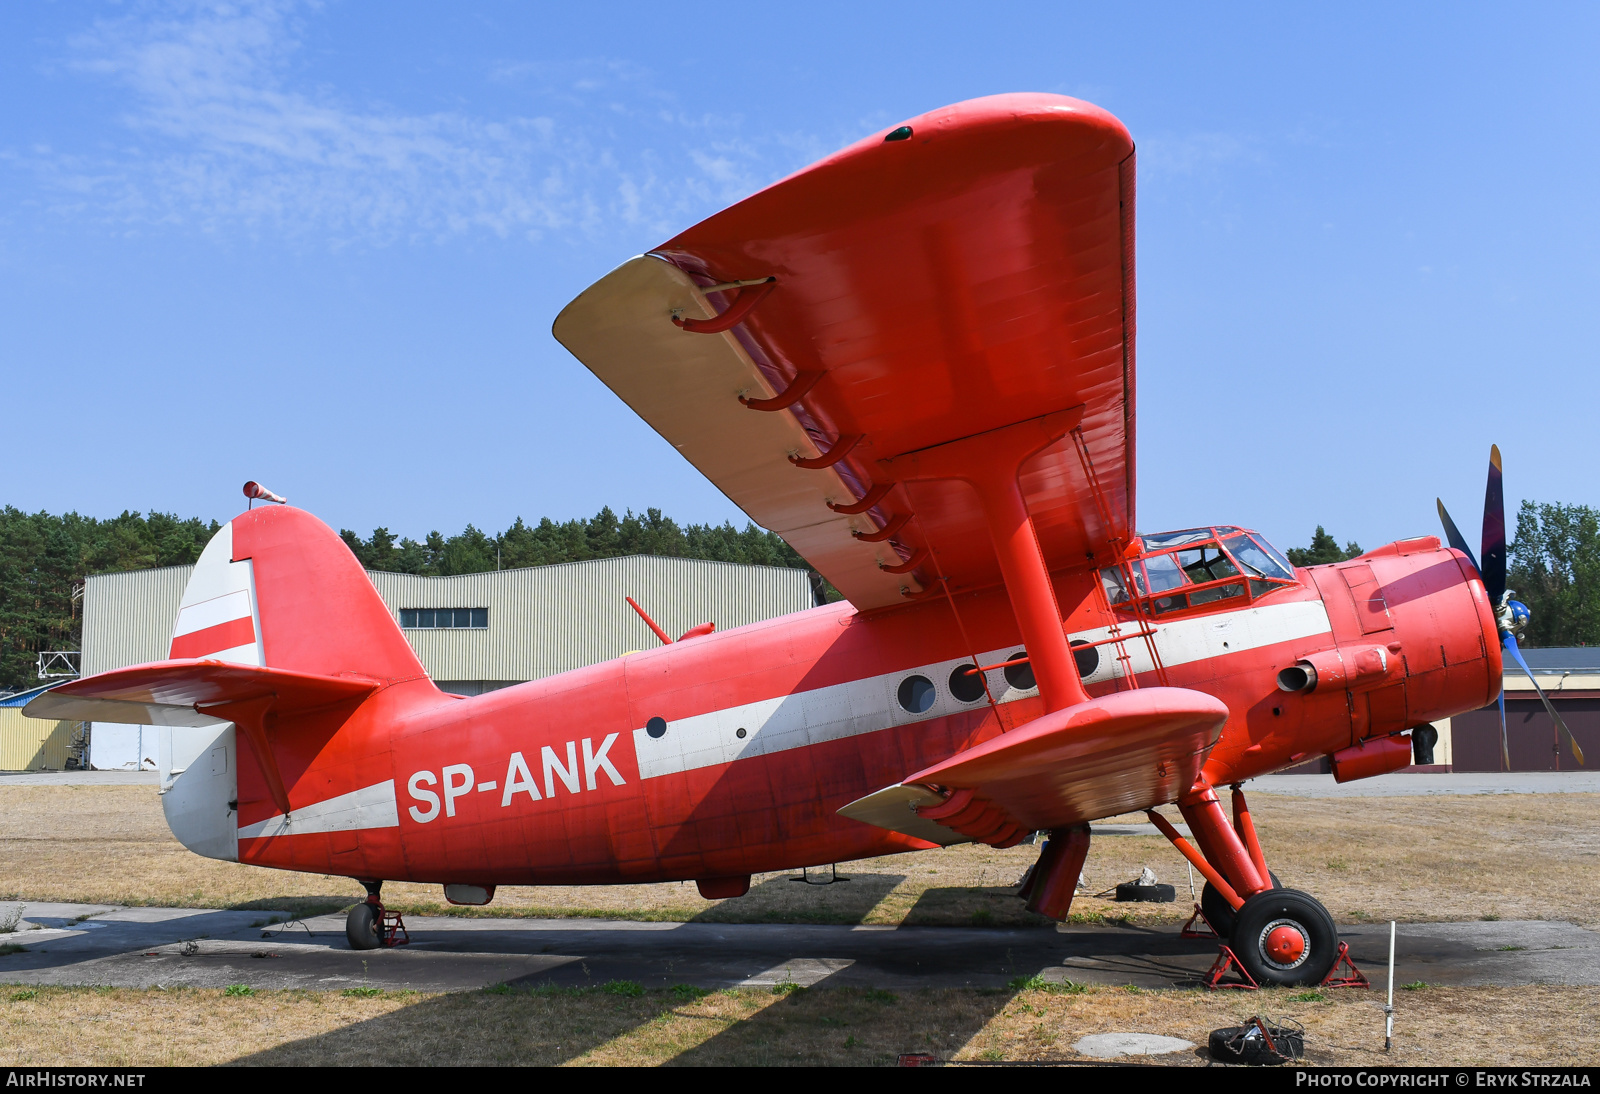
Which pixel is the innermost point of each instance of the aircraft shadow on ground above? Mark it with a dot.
(849, 1024)
(972, 906)
(787, 900)
(817, 1024)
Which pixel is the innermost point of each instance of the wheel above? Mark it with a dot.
(361, 927)
(1217, 911)
(1286, 938)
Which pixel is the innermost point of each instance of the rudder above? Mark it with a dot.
(277, 587)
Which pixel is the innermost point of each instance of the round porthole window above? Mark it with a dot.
(916, 694)
(1020, 676)
(1087, 657)
(966, 683)
(739, 733)
(656, 727)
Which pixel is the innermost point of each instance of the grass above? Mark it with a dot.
(752, 1026)
(9, 948)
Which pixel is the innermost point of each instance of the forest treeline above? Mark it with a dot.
(1554, 562)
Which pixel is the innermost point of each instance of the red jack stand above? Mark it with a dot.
(1344, 973)
(1189, 930)
(391, 927)
(1226, 962)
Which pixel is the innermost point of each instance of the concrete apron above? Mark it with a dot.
(81, 944)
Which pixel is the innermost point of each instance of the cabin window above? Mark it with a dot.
(966, 683)
(916, 694)
(1020, 676)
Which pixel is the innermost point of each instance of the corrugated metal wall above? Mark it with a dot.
(28, 744)
(128, 617)
(542, 620)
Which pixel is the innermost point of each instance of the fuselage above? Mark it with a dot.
(730, 753)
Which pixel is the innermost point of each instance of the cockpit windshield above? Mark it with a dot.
(1259, 557)
(1197, 567)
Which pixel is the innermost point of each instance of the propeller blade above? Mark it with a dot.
(1505, 748)
(1494, 532)
(1510, 643)
(1453, 534)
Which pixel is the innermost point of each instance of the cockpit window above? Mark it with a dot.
(1204, 564)
(1257, 556)
(1175, 539)
(1111, 581)
(1163, 573)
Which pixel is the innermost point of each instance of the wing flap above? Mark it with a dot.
(1116, 754)
(176, 693)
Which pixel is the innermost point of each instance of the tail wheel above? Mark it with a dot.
(362, 925)
(1286, 938)
(1217, 911)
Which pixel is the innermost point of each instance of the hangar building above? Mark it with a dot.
(472, 632)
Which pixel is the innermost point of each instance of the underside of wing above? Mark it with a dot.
(1120, 753)
(965, 272)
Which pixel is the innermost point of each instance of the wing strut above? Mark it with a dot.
(990, 463)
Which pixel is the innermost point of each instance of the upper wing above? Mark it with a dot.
(975, 274)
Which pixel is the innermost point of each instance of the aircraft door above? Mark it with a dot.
(200, 788)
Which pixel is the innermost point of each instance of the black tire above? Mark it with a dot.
(361, 927)
(1285, 938)
(1153, 894)
(1217, 911)
(1245, 1045)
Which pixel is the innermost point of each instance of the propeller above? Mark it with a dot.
(1511, 616)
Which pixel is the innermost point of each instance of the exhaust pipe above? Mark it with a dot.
(1357, 668)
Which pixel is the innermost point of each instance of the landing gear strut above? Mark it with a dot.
(1280, 936)
(369, 926)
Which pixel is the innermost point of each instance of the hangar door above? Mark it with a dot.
(1534, 741)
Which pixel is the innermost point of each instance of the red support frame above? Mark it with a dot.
(990, 463)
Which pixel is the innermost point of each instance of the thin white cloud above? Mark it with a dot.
(222, 139)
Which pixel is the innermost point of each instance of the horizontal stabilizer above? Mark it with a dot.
(176, 693)
(1116, 754)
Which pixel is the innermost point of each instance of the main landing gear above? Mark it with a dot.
(369, 925)
(1280, 936)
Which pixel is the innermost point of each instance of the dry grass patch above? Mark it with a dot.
(1412, 859)
(819, 1026)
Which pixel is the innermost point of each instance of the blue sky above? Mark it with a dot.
(321, 245)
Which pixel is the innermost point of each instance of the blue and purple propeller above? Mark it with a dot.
(1511, 616)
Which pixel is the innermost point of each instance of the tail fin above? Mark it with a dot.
(277, 588)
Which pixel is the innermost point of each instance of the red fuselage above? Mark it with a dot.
(730, 753)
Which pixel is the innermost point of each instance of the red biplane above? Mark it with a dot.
(915, 361)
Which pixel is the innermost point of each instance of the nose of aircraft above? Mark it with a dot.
(1424, 606)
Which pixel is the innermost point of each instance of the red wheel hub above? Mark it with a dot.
(1285, 945)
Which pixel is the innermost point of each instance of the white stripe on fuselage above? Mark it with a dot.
(868, 705)
(370, 807)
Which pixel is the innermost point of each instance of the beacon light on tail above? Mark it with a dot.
(914, 360)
